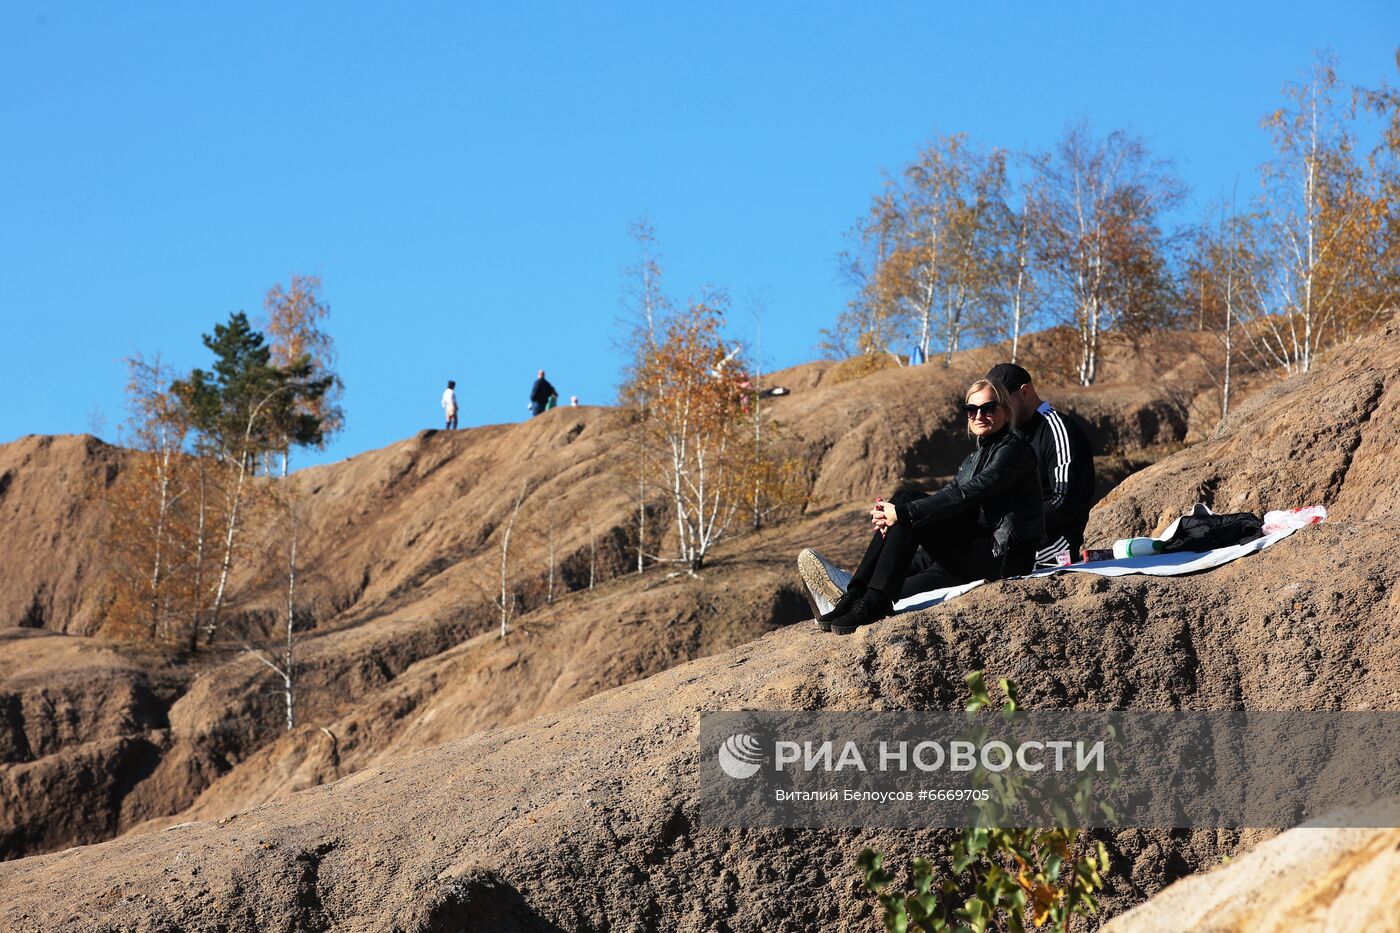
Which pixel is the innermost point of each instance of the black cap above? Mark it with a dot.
(1009, 375)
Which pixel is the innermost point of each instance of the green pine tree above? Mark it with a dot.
(246, 406)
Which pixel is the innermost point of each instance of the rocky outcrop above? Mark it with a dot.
(1307, 880)
(1331, 436)
(81, 727)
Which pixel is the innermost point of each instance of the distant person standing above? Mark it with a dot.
(449, 405)
(573, 401)
(542, 395)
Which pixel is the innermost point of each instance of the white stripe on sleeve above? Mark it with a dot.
(1062, 455)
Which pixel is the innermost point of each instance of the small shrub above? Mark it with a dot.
(1000, 879)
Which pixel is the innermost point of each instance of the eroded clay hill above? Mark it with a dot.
(585, 816)
(400, 564)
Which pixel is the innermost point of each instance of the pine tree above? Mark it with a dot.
(244, 409)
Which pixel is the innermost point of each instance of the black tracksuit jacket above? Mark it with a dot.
(1066, 478)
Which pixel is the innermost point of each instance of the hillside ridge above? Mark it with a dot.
(586, 815)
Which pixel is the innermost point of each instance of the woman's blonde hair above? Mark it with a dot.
(999, 390)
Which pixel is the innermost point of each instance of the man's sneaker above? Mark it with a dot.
(871, 607)
(826, 583)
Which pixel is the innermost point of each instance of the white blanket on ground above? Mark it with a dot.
(1157, 565)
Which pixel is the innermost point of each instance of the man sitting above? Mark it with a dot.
(1066, 465)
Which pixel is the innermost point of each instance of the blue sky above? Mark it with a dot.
(461, 175)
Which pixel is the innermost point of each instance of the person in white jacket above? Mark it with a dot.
(449, 404)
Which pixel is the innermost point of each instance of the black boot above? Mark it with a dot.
(872, 606)
(854, 590)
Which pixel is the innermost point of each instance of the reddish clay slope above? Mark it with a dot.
(586, 817)
(1332, 437)
(52, 525)
(400, 562)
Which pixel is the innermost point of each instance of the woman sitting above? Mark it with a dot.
(984, 525)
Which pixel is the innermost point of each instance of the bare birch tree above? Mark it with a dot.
(279, 654)
(1020, 259)
(647, 308)
(150, 538)
(1222, 258)
(506, 601)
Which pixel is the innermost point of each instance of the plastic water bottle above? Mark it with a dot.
(1135, 547)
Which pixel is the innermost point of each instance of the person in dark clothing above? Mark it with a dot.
(541, 393)
(1066, 465)
(985, 524)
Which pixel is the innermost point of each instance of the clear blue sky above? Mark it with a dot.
(461, 175)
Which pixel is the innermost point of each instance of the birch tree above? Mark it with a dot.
(1098, 206)
(1222, 260)
(646, 308)
(950, 207)
(1383, 168)
(1313, 211)
(976, 225)
(241, 410)
(294, 323)
(873, 319)
(152, 589)
(278, 654)
(696, 418)
(506, 601)
(1019, 266)
(926, 258)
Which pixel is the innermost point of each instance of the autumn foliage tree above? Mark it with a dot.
(1382, 165)
(1314, 259)
(1098, 207)
(297, 341)
(1322, 225)
(696, 420)
(946, 265)
(874, 318)
(927, 258)
(156, 585)
(181, 509)
(647, 308)
(947, 257)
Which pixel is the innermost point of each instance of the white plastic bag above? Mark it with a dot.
(1284, 519)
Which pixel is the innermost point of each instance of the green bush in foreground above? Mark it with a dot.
(999, 879)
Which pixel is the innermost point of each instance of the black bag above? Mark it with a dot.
(1203, 530)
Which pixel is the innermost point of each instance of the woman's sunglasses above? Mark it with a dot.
(987, 409)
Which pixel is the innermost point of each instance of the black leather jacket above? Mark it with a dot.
(999, 479)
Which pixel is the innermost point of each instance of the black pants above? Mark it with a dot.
(907, 561)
